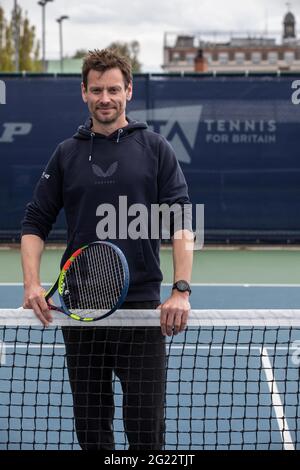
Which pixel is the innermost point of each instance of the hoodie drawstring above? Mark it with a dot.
(120, 131)
(92, 134)
(91, 145)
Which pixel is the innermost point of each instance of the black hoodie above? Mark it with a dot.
(90, 169)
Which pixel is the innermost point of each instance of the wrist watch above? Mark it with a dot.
(182, 286)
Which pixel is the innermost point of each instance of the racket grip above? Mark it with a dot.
(53, 307)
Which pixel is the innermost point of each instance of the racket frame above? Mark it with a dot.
(59, 284)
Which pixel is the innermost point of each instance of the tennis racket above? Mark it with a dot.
(93, 282)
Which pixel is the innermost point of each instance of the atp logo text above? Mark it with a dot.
(14, 129)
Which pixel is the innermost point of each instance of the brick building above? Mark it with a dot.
(253, 52)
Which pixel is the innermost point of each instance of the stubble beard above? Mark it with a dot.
(108, 119)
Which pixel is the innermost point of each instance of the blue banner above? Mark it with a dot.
(237, 140)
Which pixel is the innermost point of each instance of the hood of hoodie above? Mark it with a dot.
(85, 131)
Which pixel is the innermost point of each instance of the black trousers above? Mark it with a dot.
(137, 356)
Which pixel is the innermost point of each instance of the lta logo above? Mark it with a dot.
(179, 125)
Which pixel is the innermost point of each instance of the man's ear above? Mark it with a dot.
(129, 92)
(83, 92)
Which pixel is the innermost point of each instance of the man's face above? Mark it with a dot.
(106, 95)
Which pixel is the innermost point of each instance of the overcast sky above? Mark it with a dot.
(96, 23)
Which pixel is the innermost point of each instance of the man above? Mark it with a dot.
(110, 156)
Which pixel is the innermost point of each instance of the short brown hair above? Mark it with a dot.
(105, 59)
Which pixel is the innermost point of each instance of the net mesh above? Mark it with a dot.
(229, 381)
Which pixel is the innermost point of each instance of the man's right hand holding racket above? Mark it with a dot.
(34, 299)
(34, 293)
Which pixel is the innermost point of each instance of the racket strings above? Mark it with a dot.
(94, 280)
(102, 289)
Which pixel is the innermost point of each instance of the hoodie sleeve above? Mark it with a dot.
(172, 188)
(42, 211)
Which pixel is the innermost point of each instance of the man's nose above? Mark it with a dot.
(104, 98)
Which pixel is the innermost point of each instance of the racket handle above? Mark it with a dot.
(53, 307)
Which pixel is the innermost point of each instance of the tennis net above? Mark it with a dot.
(231, 381)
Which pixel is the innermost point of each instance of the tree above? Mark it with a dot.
(19, 26)
(6, 52)
(130, 50)
(79, 54)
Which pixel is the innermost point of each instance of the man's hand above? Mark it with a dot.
(174, 313)
(34, 298)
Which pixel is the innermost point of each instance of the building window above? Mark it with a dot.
(223, 58)
(190, 58)
(239, 58)
(273, 58)
(208, 57)
(289, 57)
(175, 56)
(256, 57)
(185, 41)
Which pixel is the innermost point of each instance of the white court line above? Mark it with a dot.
(2, 353)
(20, 284)
(33, 346)
(246, 348)
(234, 284)
(277, 403)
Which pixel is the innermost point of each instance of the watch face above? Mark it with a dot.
(182, 286)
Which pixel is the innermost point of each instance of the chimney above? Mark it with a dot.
(200, 62)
